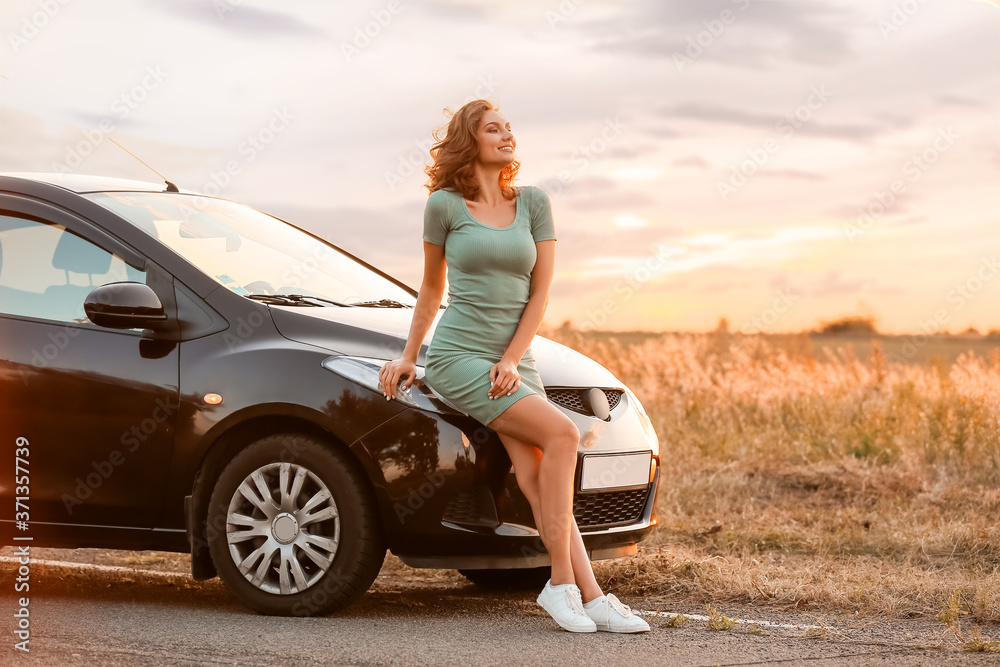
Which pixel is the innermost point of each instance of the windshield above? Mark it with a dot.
(249, 252)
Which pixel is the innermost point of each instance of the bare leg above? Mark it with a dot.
(526, 458)
(582, 569)
(555, 481)
(534, 421)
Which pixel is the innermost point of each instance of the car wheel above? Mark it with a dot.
(293, 527)
(509, 580)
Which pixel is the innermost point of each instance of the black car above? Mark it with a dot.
(185, 373)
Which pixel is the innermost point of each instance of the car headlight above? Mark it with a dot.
(364, 371)
(647, 423)
(635, 401)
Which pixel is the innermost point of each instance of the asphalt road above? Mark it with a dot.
(91, 615)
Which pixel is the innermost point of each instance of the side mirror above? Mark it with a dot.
(124, 305)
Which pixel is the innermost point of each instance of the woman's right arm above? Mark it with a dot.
(428, 299)
(428, 302)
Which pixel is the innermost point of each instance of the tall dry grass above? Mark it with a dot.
(843, 484)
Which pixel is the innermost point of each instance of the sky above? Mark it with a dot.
(777, 163)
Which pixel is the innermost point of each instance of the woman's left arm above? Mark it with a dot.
(538, 301)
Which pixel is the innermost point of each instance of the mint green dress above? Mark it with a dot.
(489, 273)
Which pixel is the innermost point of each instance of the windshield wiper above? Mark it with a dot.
(381, 303)
(307, 299)
(316, 298)
(292, 299)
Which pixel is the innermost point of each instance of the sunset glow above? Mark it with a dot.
(713, 154)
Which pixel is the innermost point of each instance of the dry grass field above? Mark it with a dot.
(800, 475)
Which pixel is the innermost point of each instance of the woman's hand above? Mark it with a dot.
(504, 378)
(392, 371)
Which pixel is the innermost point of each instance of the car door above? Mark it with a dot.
(94, 408)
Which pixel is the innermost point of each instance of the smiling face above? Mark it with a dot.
(496, 142)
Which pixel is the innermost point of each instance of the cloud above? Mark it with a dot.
(853, 211)
(397, 228)
(660, 132)
(833, 283)
(684, 254)
(734, 116)
(910, 220)
(460, 10)
(238, 18)
(88, 120)
(588, 193)
(955, 100)
(756, 34)
(585, 184)
(629, 152)
(26, 141)
(793, 173)
(694, 161)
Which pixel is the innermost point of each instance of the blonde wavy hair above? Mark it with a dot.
(455, 153)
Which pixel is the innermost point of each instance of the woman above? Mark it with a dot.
(498, 244)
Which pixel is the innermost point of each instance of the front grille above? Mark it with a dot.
(463, 508)
(572, 398)
(609, 508)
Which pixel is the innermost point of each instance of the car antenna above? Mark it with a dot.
(170, 186)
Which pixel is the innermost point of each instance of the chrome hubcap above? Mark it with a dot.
(283, 528)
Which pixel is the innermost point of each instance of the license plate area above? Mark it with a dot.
(614, 471)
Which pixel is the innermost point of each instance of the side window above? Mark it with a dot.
(46, 270)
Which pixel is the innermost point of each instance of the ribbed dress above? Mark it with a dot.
(489, 273)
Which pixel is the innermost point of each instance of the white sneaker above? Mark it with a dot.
(565, 604)
(610, 615)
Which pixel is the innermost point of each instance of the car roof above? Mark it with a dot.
(81, 183)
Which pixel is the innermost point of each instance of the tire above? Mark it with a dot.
(509, 580)
(324, 545)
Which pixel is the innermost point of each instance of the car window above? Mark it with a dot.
(46, 271)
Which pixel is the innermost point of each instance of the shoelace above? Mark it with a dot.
(575, 600)
(622, 608)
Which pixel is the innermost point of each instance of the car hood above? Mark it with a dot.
(381, 333)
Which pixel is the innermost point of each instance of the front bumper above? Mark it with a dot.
(449, 497)
(519, 546)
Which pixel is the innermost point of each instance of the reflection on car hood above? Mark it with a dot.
(382, 333)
